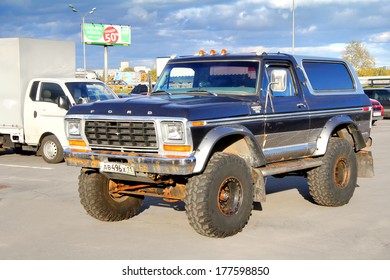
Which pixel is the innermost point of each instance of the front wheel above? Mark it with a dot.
(101, 202)
(219, 201)
(333, 183)
(52, 151)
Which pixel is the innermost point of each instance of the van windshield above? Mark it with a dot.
(216, 77)
(86, 92)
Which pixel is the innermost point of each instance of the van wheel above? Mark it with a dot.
(52, 151)
(333, 183)
(219, 201)
(99, 200)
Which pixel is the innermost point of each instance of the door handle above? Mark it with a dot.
(35, 114)
(301, 105)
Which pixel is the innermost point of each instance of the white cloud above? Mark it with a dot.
(383, 37)
(165, 33)
(17, 2)
(307, 30)
(345, 13)
(256, 17)
(138, 14)
(230, 39)
(162, 27)
(47, 25)
(332, 50)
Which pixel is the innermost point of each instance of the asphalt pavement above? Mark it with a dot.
(41, 218)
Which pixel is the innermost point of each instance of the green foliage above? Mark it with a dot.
(128, 69)
(380, 71)
(357, 54)
(153, 74)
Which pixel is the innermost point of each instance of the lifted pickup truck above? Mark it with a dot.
(213, 128)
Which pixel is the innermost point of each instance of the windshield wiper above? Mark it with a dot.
(203, 90)
(162, 91)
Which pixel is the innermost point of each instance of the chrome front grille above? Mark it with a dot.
(121, 135)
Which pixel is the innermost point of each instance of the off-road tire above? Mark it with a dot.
(100, 204)
(51, 149)
(333, 183)
(219, 201)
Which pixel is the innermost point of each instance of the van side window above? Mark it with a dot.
(50, 92)
(338, 77)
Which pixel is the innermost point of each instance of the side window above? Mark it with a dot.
(374, 94)
(371, 94)
(50, 92)
(383, 95)
(328, 76)
(279, 80)
(33, 91)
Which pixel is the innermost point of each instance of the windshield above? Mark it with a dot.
(215, 77)
(86, 92)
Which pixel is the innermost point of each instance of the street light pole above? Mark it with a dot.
(293, 27)
(82, 33)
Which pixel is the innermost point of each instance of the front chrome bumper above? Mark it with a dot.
(145, 163)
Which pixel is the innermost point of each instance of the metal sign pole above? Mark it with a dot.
(105, 64)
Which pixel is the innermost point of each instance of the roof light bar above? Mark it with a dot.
(212, 52)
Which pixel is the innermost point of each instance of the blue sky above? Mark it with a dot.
(182, 27)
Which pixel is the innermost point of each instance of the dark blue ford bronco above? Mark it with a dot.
(213, 128)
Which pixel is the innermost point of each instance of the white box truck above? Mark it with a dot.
(37, 87)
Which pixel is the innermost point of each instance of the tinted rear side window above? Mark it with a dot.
(328, 76)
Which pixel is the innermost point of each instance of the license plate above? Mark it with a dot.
(116, 168)
(377, 114)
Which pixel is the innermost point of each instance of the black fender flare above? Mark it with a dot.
(331, 126)
(205, 149)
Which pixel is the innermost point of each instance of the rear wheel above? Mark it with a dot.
(52, 151)
(101, 202)
(333, 183)
(219, 201)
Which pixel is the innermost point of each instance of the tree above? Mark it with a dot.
(357, 54)
(153, 73)
(128, 69)
(380, 71)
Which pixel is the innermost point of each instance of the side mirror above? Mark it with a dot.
(63, 102)
(82, 100)
(278, 80)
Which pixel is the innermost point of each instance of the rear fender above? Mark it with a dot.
(334, 125)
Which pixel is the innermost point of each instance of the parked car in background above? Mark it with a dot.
(140, 89)
(119, 86)
(378, 111)
(383, 96)
(123, 95)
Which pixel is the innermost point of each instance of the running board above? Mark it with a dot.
(290, 166)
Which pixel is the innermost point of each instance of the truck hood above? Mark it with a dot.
(191, 107)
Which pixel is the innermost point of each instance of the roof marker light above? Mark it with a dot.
(223, 52)
(213, 52)
(201, 53)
